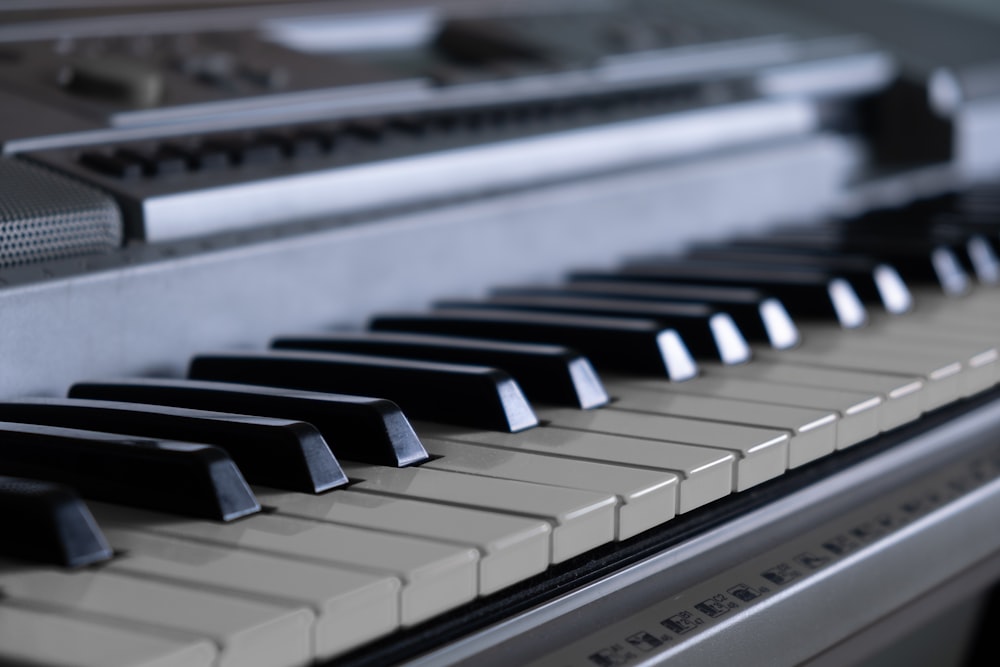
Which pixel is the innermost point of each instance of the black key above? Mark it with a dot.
(474, 396)
(136, 157)
(983, 257)
(229, 146)
(708, 333)
(546, 373)
(48, 523)
(976, 245)
(177, 477)
(917, 261)
(266, 150)
(368, 430)
(285, 454)
(408, 127)
(177, 154)
(169, 160)
(874, 281)
(361, 134)
(804, 293)
(212, 155)
(160, 163)
(285, 143)
(630, 345)
(310, 143)
(112, 165)
(759, 317)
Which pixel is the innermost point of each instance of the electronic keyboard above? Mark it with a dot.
(613, 334)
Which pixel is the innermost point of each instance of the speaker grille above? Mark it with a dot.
(45, 216)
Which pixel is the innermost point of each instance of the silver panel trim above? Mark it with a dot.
(473, 170)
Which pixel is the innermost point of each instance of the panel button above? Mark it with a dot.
(120, 80)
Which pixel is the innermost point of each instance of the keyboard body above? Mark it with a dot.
(505, 151)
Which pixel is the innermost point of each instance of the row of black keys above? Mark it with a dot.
(465, 363)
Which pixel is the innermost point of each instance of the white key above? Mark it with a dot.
(978, 358)
(705, 474)
(436, 577)
(961, 325)
(351, 607)
(247, 632)
(36, 635)
(974, 334)
(902, 401)
(511, 548)
(858, 411)
(763, 453)
(940, 378)
(813, 433)
(646, 498)
(580, 520)
(980, 307)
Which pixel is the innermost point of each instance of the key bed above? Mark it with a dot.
(441, 512)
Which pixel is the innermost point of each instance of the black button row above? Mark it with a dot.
(372, 138)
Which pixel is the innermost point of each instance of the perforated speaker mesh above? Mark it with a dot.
(46, 216)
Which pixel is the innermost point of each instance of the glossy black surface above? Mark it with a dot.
(752, 310)
(48, 523)
(170, 476)
(475, 396)
(917, 260)
(622, 344)
(806, 293)
(865, 274)
(707, 332)
(274, 452)
(357, 428)
(547, 373)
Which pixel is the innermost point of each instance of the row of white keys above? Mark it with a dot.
(762, 453)
(980, 306)
(645, 498)
(350, 607)
(867, 403)
(246, 632)
(436, 576)
(813, 433)
(580, 520)
(34, 634)
(854, 416)
(966, 321)
(978, 354)
(972, 319)
(902, 401)
(941, 377)
(705, 474)
(975, 360)
(511, 548)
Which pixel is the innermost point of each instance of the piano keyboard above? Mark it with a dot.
(315, 519)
